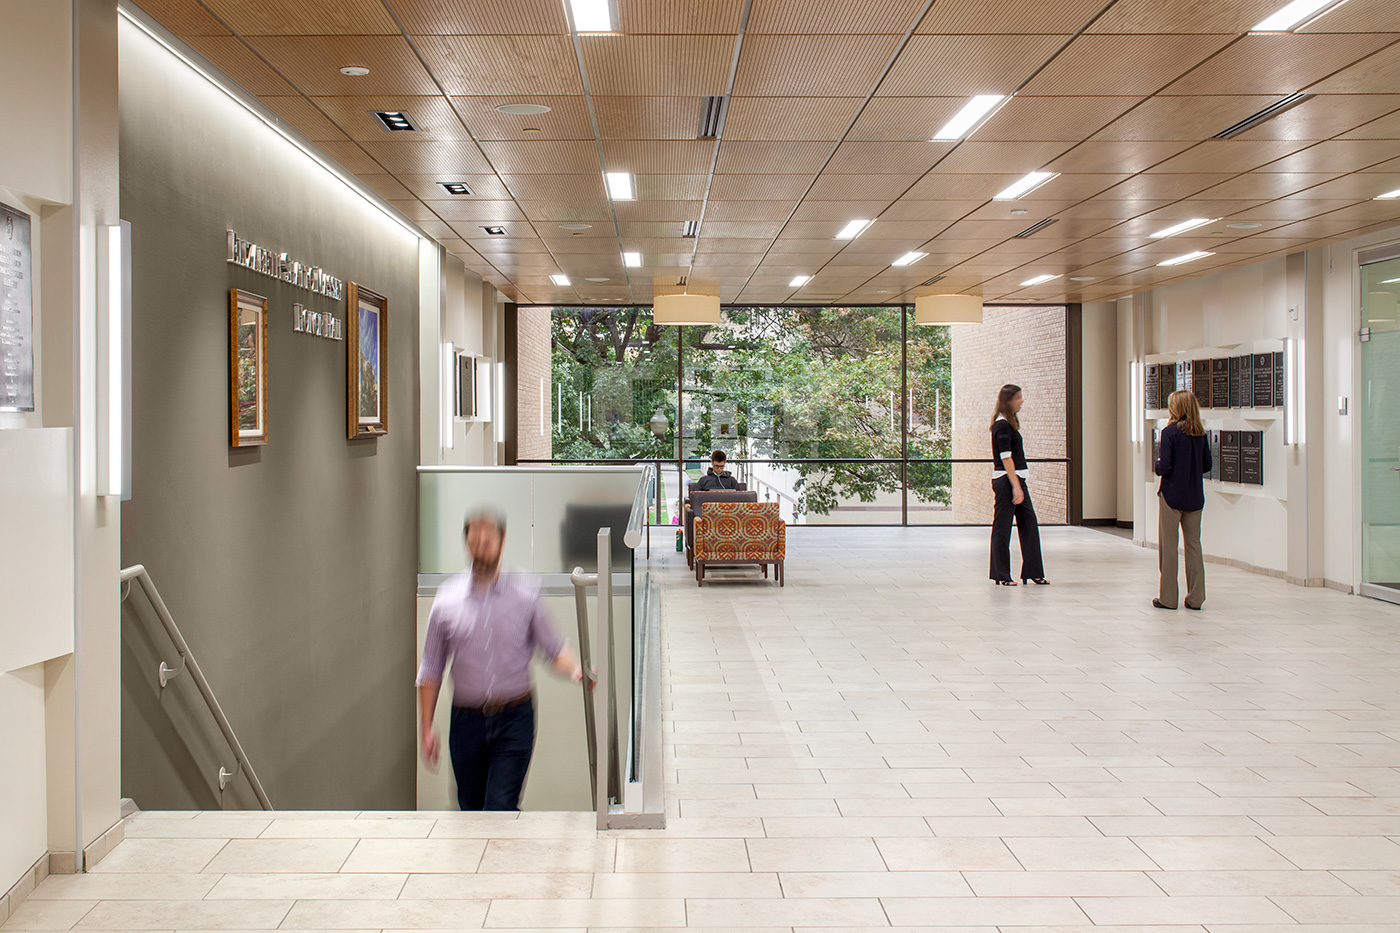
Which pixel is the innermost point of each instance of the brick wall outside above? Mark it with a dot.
(1024, 346)
(532, 366)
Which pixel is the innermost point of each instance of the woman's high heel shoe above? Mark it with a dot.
(1004, 582)
(1038, 581)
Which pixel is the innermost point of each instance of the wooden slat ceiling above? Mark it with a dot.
(831, 106)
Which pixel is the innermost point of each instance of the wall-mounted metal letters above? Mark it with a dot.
(259, 259)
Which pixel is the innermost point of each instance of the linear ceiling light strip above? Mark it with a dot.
(214, 76)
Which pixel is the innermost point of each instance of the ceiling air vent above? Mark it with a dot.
(1268, 113)
(692, 229)
(712, 118)
(932, 281)
(395, 121)
(1035, 228)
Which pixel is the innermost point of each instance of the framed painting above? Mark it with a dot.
(367, 382)
(247, 368)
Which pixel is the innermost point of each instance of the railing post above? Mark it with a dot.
(604, 696)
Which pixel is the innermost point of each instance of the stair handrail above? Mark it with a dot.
(138, 574)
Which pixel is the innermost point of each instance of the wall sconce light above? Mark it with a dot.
(447, 434)
(1291, 350)
(114, 361)
(1135, 402)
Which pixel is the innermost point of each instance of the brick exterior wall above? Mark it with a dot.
(533, 348)
(1025, 346)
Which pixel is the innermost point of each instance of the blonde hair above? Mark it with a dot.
(1185, 413)
(1003, 409)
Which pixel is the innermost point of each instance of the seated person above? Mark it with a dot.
(718, 477)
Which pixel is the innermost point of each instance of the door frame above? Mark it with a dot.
(1363, 256)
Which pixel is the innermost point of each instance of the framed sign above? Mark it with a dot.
(247, 368)
(366, 382)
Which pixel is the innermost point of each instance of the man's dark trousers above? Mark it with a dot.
(491, 754)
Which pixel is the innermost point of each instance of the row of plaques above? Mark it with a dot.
(1254, 380)
(1235, 456)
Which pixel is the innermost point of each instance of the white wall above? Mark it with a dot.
(469, 318)
(1099, 420)
(1304, 524)
(23, 773)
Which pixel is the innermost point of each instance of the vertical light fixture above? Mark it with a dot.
(500, 403)
(1291, 434)
(114, 361)
(446, 435)
(1136, 412)
(543, 418)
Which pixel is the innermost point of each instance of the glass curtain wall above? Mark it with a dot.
(843, 415)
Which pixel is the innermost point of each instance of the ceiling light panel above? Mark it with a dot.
(799, 280)
(1183, 227)
(632, 260)
(1038, 280)
(1388, 195)
(971, 116)
(1024, 186)
(1189, 257)
(592, 15)
(620, 187)
(854, 229)
(908, 259)
(559, 279)
(1295, 14)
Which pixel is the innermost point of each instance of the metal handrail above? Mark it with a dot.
(637, 519)
(137, 573)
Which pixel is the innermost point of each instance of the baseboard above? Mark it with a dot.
(21, 889)
(1127, 525)
(1339, 587)
(105, 843)
(1099, 522)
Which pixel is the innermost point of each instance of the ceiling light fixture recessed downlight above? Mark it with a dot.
(1245, 225)
(1083, 278)
(523, 110)
(1024, 185)
(559, 279)
(597, 278)
(1389, 195)
(971, 116)
(575, 226)
(1182, 227)
(908, 259)
(799, 280)
(854, 229)
(1298, 13)
(1038, 280)
(592, 15)
(354, 71)
(620, 186)
(632, 260)
(1188, 257)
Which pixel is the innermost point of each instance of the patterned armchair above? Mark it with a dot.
(740, 533)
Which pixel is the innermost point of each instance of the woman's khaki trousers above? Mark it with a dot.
(1169, 520)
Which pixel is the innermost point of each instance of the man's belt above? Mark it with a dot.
(492, 707)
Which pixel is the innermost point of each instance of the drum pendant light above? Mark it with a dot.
(686, 310)
(947, 309)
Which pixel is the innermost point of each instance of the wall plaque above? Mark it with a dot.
(1278, 378)
(1263, 380)
(16, 312)
(1201, 382)
(1151, 388)
(1213, 445)
(1234, 382)
(1229, 456)
(1252, 458)
(1220, 383)
(1246, 381)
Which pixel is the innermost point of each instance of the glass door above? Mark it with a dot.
(1380, 429)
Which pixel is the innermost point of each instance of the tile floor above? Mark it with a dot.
(889, 741)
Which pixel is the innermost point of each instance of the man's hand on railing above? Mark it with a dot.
(566, 664)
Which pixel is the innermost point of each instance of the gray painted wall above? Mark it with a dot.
(290, 568)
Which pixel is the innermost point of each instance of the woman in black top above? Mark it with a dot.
(1183, 459)
(1012, 498)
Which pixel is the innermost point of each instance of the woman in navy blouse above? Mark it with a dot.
(1182, 461)
(1011, 495)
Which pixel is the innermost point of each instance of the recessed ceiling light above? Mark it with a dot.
(692, 229)
(799, 280)
(1389, 281)
(575, 226)
(354, 71)
(592, 15)
(908, 259)
(969, 117)
(559, 279)
(620, 186)
(1388, 195)
(1295, 14)
(882, 291)
(1083, 278)
(1025, 185)
(1182, 227)
(523, 110)
(1038, 280)
(598, 278)
(1189, 257)
(1268, 113)
(395, 120)
(495, 231)
(632, 260)
(853, 229)
(455, 187)
(1019, 212)
(1245, 225)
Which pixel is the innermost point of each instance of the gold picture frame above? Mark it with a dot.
(366, 370)
(247, 368)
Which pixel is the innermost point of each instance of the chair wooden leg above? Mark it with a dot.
(764, 568)
(699, 573)
(782, 574)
